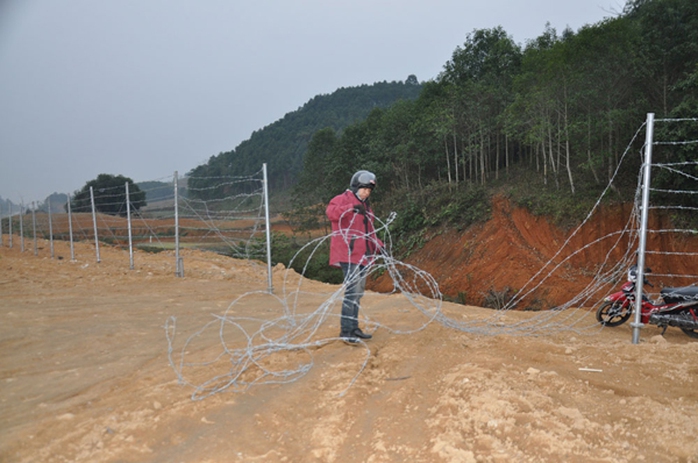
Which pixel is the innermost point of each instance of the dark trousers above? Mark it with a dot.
(355, 285)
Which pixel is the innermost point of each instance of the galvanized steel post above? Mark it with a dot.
(9, 225)
(179, 267)
(70, 231)
(50, 226)
(637, 321)
(268, 228)
(94, 223)
(130, 235)
(36, 246)
(21, 226)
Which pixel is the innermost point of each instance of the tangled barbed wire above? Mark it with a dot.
(249, 345)
(280, 347)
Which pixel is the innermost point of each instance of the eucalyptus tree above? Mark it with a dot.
(533, 106)
(314, 181)
(674, 183)
(481, 73)
(608, 92)
(667, 48)
(396, 145)
(429, 129)
(356, 150)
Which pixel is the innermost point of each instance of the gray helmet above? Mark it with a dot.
(362, 179)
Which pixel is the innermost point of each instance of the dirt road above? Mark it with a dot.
(85, 376)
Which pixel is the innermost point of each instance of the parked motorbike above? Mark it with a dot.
(676, 307)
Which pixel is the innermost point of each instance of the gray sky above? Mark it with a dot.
(143, 88)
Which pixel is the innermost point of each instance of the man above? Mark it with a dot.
(353, 247)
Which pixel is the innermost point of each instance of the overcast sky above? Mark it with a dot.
(144, 88)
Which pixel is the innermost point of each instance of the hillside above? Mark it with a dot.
(501, 255)
(283, 143)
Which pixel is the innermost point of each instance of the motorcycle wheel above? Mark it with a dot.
(690, 332)
(612, 313)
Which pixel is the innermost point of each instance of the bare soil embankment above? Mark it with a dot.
(508, 250)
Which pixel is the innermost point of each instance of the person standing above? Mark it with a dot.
(353, 247)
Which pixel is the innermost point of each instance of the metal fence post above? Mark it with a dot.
(94, 223)
(21, 226)
(9, 225)
(268, 226)
(637, 321)
(70, 231)
(36, 247)
(179, 265)
(130, 236)
(50, 226)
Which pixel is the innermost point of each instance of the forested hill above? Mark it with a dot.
(282, 144)
(548, 123)
(553, 123)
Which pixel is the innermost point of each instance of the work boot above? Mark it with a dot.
(349, 338)
(360, 334)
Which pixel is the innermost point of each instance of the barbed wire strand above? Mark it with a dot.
(293, 331)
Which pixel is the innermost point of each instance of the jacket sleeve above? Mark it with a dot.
(339, 205)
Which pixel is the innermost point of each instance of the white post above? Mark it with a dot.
(268, 227)
(21, 226)
(50, 226)
(130, 235)
(94, 222)
(1, 226)
(36, 247)
(70, 231)
(179, 267)
(9, 225)
(637, 321)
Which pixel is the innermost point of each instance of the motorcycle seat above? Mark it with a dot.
(678, 294)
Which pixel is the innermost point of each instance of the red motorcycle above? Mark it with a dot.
(677, 307)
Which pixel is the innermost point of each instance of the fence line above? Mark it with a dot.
(209, 207)
(175, 216)
(247, 343)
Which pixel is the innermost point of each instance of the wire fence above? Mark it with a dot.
(166, 214)
(280, 348)
(668, 237)
(250, 346)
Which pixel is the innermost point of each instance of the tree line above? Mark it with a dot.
(547, 119)
(558, 111)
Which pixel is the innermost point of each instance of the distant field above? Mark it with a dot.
(215, 235)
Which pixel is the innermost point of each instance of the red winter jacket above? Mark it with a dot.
(354, 238)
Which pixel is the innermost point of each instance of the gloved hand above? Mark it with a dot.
(360, 209)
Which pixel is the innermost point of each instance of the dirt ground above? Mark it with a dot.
(503, 254)
(85, 375)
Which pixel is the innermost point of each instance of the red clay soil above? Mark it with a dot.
(505, 252)
(497, 257)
